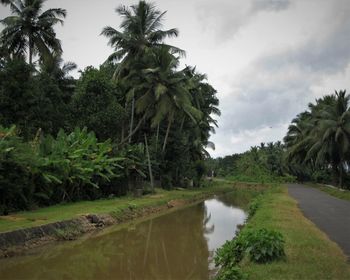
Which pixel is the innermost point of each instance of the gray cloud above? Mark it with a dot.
(270, 5)
(226, 18)
(279, 85)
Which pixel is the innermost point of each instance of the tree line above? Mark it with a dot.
(137, 118)
(315, 148)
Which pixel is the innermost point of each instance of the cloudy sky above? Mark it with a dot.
(266, 58)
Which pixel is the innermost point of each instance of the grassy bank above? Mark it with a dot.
(310, 253)
(342, 194)
(62, 212)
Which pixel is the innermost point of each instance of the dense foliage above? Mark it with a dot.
(136, 118)
(318, 140)
(261, 246)
(49, 170)
(261, 164)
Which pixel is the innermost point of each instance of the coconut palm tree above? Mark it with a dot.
(141, 31)
(204, 98)
(166, 92)
(297, 139)
(29, 30)
(321, 136)
(58, 69)
(331, 137)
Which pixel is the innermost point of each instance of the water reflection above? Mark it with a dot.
(178, 245)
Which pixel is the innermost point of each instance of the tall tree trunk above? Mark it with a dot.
(149, 164)
(30, 52)
(335, 172)
(167, 134)
(134, 131)
(341, 174)
(123, 124)
(157, 137)
(132, 116)
(182, 123)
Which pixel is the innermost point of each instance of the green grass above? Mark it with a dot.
(310, 253)
(68, 211)
(342, 194)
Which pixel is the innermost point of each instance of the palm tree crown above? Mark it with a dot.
(141, 31)
(321, 136)
(30, 30)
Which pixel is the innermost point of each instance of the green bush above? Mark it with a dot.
(230, 254)
(18, 166)
(231, 273)
(263, 245)
(77, 161)
(50, 170)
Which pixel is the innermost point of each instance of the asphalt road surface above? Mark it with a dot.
(330, 214)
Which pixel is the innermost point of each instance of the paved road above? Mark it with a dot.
(330, 214)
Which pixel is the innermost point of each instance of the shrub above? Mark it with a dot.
(228, 257)
(17, 169)
(77, 161)
(263, 245)
(230, 254)
(231, 273)
(166, 181)
(50, 170)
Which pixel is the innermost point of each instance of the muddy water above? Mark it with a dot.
(177, 245)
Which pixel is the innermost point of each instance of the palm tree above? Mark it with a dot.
(203, 96)
(141, 31)
(166, 92)
(58, 69)
(297, 139)
(321, 137)
(331, 137)
(30, 30)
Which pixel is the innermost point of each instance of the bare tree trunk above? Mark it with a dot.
(132, 116)
(149, 164)
(157, 137)
(134, 131)
(335, 172)
(341, 175)
(123, 124)
(182, 123)
(167, 134)
(30, 52)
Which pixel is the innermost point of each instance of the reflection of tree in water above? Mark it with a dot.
(207, 229)
(170, 246)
